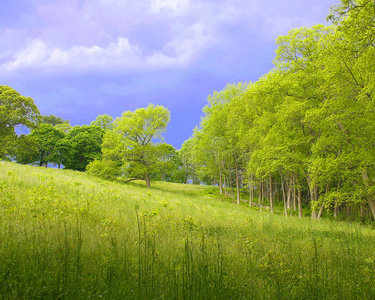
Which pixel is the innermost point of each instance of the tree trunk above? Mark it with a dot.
(370, 199)
(237, 183)
(371, 203)
(147, 179)
(263, 192)
(322, 206)
(289, 193)
(225, 185)
(221, 182)
(271, 196)
(251, 190)
(320, 211)
(294, 196)
(231, 181)
(260, 191)
(336, 210)
(299, 202)
(284, 197)
(314, 198)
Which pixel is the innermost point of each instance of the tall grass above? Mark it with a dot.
(64, 235)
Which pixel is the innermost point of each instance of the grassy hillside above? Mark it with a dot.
(65, 235)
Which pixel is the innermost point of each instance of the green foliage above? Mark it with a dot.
(85, 146)
(27, 149)
(15, 110)
(131, 141)
(106, 169)
(65, 127)
(41, 146)
(304, 130)
(54, 120)
(103, 121)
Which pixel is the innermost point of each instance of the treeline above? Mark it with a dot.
(51, 140)
(130, 147)
(305, 132)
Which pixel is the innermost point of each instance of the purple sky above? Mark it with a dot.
(81, 58)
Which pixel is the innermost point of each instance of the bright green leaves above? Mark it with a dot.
(103, 121)
(131, 142)
(140, 127)
(309, 124)
(15, 110)
(300, 48)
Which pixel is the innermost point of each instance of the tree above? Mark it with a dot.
(40, 146)
(132, 141)
(27, 149)
(165, 162)
(64, 127)
(85, 146)
(53, 120)
(103, 121)
(15, 110)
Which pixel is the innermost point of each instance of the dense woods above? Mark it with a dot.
(301, 136)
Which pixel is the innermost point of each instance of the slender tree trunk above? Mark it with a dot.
(289, 193)
(314, 198)
(231, 181)
(250, 194)
(320, 211)
(271, 195)
(237, 182)
(370, 199)
(322, 206)
(294, 194)
(299, 202)
(147, 179)
(221, 181)
(260, 192)
(264, 192)
(371, 203)
(336, 210)
(251, 190)
(225, 185)
(284, 197)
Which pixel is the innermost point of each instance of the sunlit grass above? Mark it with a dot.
(65, 235)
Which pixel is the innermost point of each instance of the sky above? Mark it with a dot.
(82, 58)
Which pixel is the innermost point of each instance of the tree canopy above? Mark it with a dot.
(132, 142)
(15, 110)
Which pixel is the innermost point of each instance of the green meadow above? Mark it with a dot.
(66, 235)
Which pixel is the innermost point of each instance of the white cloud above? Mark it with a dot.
(168, 6)
(120, 55)
(120, 35)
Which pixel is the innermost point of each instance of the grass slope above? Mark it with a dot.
(65, 235)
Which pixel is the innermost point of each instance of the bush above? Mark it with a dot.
(105, 169)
